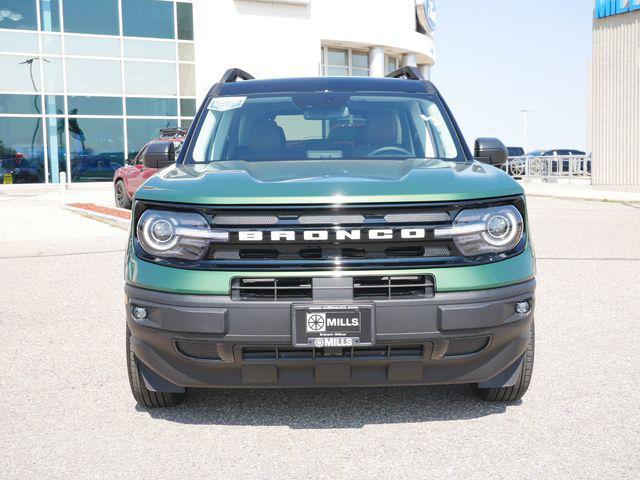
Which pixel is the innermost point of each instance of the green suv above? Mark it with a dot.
(320, 232)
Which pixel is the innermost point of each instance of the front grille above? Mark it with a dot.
(389, 352)
(388, 287)
(331, 237)
(271, 289)
(392, 287)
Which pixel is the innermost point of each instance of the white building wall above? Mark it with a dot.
(283, 38)
(615, 102)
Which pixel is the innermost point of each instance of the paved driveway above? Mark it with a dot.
(67, 411)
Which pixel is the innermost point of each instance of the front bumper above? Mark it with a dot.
(248, 344)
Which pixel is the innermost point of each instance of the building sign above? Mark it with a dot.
(607, 8)
(427, 15)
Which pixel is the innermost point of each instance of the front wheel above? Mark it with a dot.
(121, 196)
(517, 391)
(144, 396)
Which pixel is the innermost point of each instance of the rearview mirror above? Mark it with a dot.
(159, 155)
(491, 151)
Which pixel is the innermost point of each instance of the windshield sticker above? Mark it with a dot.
(222, 104)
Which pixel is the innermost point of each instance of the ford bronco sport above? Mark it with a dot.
(328, 232)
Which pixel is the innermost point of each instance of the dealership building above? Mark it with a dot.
(86, 83)
(614, 125)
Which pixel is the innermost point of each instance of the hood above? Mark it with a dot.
(327, 182)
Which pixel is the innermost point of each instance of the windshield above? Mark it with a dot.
(324, 126)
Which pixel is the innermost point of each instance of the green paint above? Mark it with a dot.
(451, 279)
(327, 182)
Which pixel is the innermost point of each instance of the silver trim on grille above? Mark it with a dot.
(250, 220)
(422, 217)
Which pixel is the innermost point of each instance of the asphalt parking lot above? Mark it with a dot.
(67, 411)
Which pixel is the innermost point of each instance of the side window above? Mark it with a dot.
(138, 159)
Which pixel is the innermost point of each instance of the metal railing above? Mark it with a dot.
(566, 166)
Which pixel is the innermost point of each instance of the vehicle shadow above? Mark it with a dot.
(324, 408)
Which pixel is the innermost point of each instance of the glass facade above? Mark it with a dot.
(86, 83)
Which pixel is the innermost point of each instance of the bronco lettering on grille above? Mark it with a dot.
(380, 234)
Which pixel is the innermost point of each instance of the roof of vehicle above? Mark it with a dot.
(333, 84)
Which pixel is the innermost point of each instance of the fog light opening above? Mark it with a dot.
(140, 313)
(523, 307)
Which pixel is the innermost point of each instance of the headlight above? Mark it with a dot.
(182, 235)
(485, 230)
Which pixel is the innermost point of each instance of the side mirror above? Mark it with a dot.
(159, 155)
(491, 151)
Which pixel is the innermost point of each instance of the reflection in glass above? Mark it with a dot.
(56, 148)
(186, 123)
(54, 105)
(185, 21)
(139, 132)
(152, 107)
(91, 46)
(96, 146)
(152, 49)
(18, 14)
(19, 73)
(50, 15)
(95, 16)
(187, 79)
(21, 150)
(187, 107)
(94, 105)
(93, 76)
(22, 104)
(18, 41)
(147, 18)
(146, 78)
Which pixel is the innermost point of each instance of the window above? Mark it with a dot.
(20, 73)
(145, 78)
(152, 107)
(50, 15)
(139, 132)
(18, 14)
(91, 46)
(187, 79)
(54, 105)
(187, 107)
(391, 63)
(326, 126)
(22, 104)
(185, 21)
(147, 18)
(95, 105)
(19, 42)
(56, 148)
(338, 62)
(21, 150)
(93, 76)
(96, 148)
(152, 49)
(95, 16)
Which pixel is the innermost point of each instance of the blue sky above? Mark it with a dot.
(496, 57)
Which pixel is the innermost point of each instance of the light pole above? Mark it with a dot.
(524, 112)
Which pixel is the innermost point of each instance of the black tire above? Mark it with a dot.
(517, 391)
(141, 393)
(121, 196)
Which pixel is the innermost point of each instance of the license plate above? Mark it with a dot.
(328, 326)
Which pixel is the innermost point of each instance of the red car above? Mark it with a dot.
(131, 176)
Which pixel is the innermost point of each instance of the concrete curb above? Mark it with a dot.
(117, 222)
(584, 198)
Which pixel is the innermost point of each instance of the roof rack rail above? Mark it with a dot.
(410, 73)
(233, 74)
